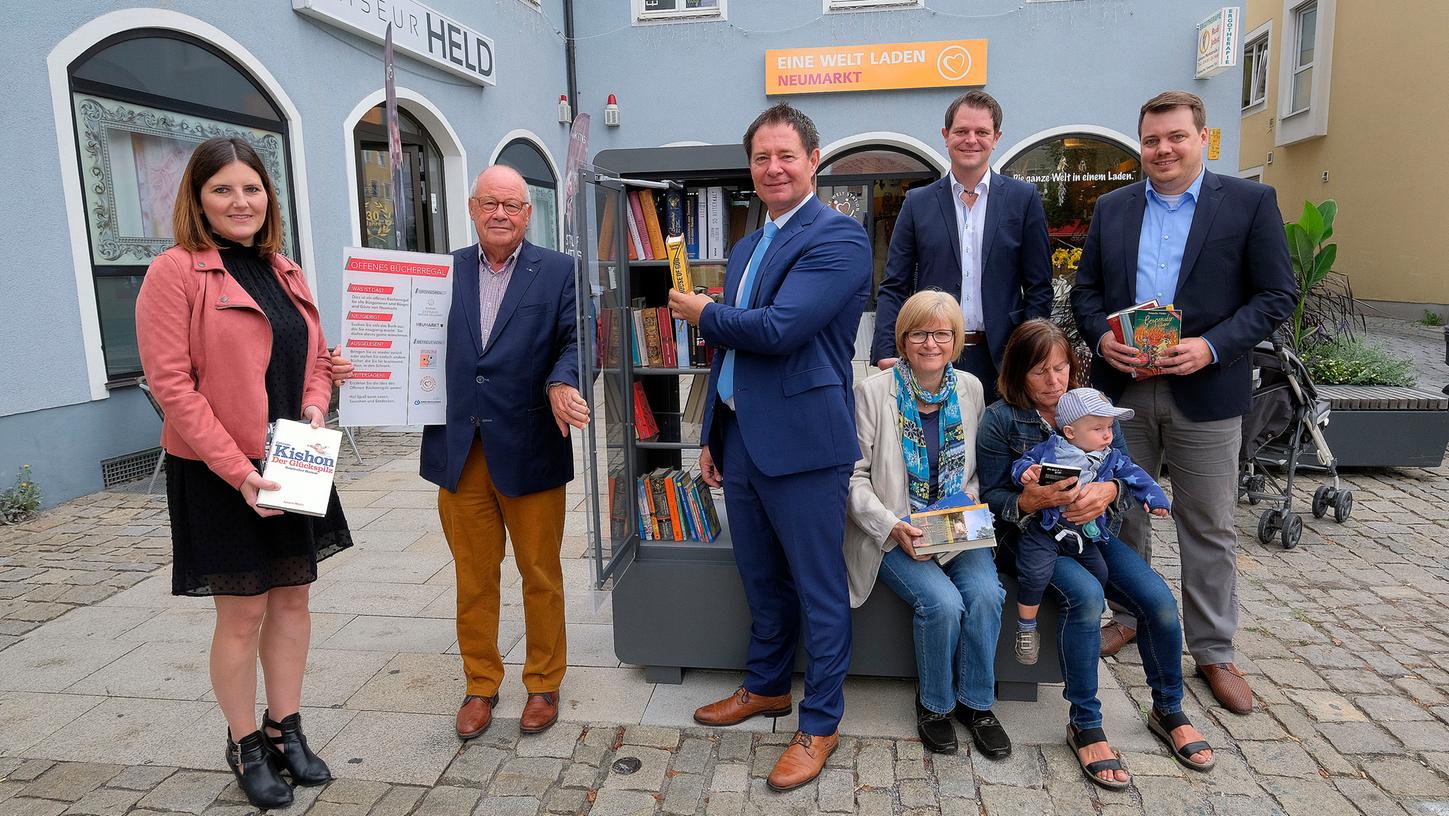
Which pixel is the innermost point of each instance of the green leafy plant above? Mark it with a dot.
(20, 501)
(1312, 261)
(1431, 318)
(1349, 361)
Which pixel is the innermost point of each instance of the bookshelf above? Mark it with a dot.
(680, 604)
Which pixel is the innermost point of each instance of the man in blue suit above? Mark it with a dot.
(503, 458)
(1214, 247)
(780, 432)
(975, 234)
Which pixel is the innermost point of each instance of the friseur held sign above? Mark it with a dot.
(885, 66)
(423, 33)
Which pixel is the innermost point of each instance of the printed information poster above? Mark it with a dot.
(394, 325)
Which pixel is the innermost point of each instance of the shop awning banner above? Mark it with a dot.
(879, 67)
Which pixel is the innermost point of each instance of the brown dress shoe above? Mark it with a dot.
(539, 712)
(1228, 686)
(475, 715)
(801, 761)
(741, 706)
(1114, 636)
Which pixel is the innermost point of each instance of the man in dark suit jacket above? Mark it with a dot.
(975, 234)
(780, 427)
(503, 457)
(1214, 247)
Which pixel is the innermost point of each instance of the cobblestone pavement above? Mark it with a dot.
(105, 706)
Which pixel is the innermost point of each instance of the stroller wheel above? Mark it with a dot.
(1342, 506)
(1292, 530)
(1267, 525)
(1323, 498)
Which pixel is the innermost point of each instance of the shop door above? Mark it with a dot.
(379, 211)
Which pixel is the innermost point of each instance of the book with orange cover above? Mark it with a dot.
(651, 224)
(671, 495)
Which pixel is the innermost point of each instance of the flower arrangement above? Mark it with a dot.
(20, 501)
(1065, 259)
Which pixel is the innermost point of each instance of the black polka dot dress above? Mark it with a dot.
(220, 545)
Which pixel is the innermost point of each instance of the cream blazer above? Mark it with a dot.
(878, 496)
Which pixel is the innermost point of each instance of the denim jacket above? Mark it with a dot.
(1005, 435)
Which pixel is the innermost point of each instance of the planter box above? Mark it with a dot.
(1383, 426)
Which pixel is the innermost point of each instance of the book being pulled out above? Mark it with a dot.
(302, 461)
(953, 524)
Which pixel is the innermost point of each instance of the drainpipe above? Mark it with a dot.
(569, 63)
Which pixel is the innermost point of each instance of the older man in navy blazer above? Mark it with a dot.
(1214, 247)
(503, 457)
(975, 234)
(780, 428)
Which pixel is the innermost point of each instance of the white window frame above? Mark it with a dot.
(642, 17)
(1252, 174)
(1311, 121)
(1295, 68)
(1262, 35)
(836, 6)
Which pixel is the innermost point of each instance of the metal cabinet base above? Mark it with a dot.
(673, 613)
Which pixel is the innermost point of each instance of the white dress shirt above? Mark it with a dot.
(971, 228)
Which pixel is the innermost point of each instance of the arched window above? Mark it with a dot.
(869, 183)
(1071, 172)
(523, 156)
(143, 100)
(425, 208)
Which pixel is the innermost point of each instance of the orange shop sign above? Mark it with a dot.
(885, 66)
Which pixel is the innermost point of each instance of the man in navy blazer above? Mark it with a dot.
(1214, 247)
(780, 430)
(503, 458)
(977, 235)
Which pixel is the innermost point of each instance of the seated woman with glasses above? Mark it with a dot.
(916, 424)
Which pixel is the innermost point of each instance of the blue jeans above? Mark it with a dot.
(1132, 584)
(956, 621)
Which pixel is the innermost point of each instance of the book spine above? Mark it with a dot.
(678, 264)
(661, 506)
(702, 205)
(674, 212)
(642, 493)
(654, 354)
(667, 349)
(638, 233)
(606, 229)
(653, 233)
(691, 224)
(671, 494)
(717, 216)
(681, 342)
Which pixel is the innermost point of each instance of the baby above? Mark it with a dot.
(1085, 417)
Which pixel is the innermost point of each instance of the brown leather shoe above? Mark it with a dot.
(475, 715)
(801, 761)
(1114, 636)
(1228, 686)
(741, 706)
(539, 712)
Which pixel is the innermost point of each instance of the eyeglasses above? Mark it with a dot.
(942, 337)
(490, 206)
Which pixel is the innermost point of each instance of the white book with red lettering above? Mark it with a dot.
(302, 460)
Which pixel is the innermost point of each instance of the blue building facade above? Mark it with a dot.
(105, 97)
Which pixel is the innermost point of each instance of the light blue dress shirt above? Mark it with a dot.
(1163, 242)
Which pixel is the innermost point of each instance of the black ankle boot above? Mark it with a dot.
(256, 772)
(292, 753)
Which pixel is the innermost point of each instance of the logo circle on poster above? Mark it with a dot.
(953, 63)
(428, 383)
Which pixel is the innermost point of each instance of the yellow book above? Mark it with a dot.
(679, 263)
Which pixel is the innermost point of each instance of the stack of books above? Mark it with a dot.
(1149, 328)
(676, 505)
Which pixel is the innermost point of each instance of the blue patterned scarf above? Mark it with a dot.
(913, 439)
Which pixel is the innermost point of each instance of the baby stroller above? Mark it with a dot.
(1284, 422)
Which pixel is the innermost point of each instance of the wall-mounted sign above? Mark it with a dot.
(1217, 42)
(886, 66)
(1215, 143)
(420, 31)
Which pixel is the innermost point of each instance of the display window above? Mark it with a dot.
(425, 203)
(525, 157)
(142, 101)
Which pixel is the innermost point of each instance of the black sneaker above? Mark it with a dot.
(937, 732)
(986, 732)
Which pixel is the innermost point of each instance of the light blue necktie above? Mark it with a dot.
(747, 285)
